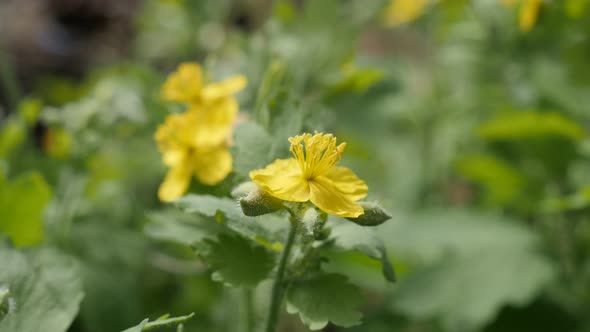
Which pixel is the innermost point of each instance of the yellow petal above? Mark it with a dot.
(184, 85)
(173, 157)
(529, 11)
(224, 88)
(213, 123)
(331, 200)
(212, 166)
(171, 138)
(283, 179)
(176, 183)
(344, 180)
(404, 11)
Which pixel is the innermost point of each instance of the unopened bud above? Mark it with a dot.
(313, 221)
(258, 202)
(374, 215)
(243, 189)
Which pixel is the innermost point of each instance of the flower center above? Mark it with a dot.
(315, 154)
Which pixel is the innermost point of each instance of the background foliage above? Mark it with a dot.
(472, 132)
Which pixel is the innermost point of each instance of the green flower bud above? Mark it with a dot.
(313, 221)
(374, 215)
(243, 189)
(258, 202)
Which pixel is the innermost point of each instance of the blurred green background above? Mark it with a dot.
(472, 131)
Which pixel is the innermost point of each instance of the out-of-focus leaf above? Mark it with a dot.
(555, 83)
(252, 148)
(12, 134)
(531, 124)
(29, 110)
(575, 201)
(57, 143)
(467, 292)
(227, 212)
(355, 79)
(113, 261)
(576, 8)
(325, 298)
(22, 202)
(180, 228)
(46, 287)
(349, 236)
(236, 261)
(501, 181)
(161, 322)
(491, 260)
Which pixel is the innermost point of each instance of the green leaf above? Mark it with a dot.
(576, 201)
(492, 261)
(161, 322)
(12, 134)
(486, 280)
(177, 227)
(22, 202)
(236, 261)
(139, 327)
(348, 236)
(267, 229)
(530, 124)
(46, 287)
(502, 182)
(112, 259)
(325, 298)
(252, 148)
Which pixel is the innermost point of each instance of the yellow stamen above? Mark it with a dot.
(315, 154)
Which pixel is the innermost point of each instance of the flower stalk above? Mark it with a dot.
(278, 286)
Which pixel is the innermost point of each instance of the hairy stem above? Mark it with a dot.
(247, 314)
(278, 286)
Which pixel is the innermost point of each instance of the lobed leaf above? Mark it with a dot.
(348, 236)
(22, 202)
(236, 261)
(325, 298)
(46, 289)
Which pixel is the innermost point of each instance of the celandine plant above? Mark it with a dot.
(281, 229)
(246, 243)
(309, 186)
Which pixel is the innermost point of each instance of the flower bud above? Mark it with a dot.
(313, 221)
(258, 202)
(243, 189)
(374, 215)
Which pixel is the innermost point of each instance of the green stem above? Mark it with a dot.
(277, 288)
(247, 312)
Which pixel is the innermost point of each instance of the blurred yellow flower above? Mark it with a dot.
(527, 13)
(400, 12)
(313, 176)
(529, 10)
(186, 85)
(193, 143)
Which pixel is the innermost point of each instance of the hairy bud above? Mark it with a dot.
(257, 202)
(374, 215)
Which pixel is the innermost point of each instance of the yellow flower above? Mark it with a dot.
(193, 143)
(529, 10)
(404, 11)
(186, 85)
(313, 176)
